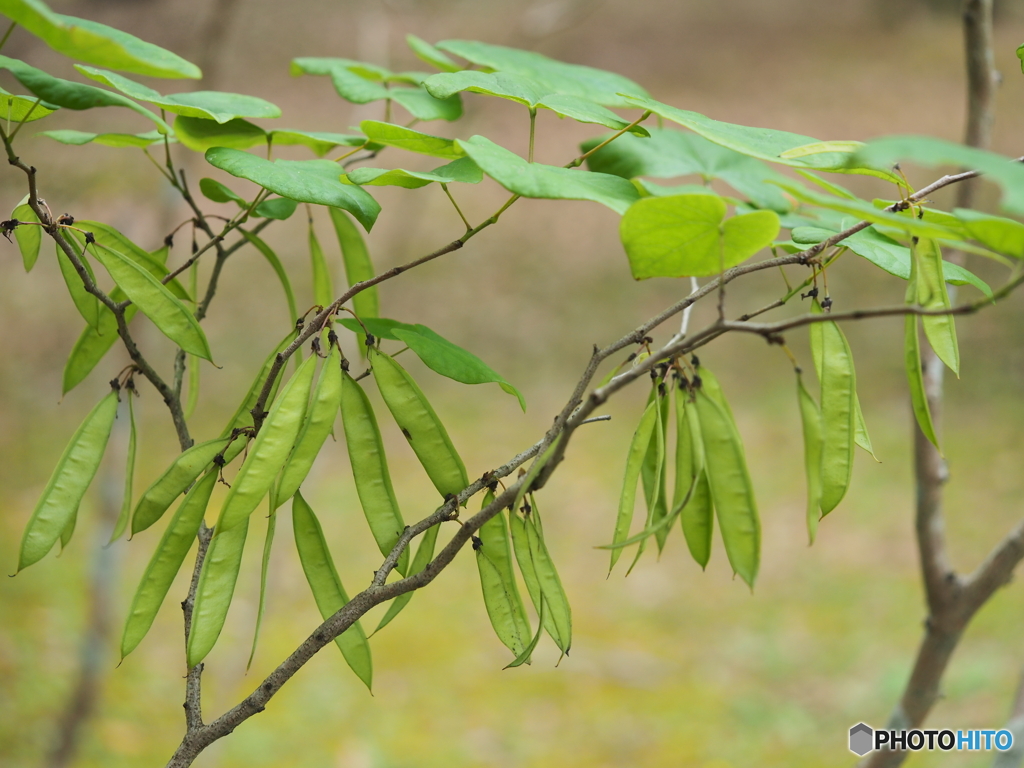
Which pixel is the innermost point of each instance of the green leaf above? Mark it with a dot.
(669, 153)
(462, 170)
(78, 138)
(351, 85)
(207, 105)
(428, 53)
(546, 181)
(381, 327)
(423, 106)
(505, 85)
(1020, 55)
(96, 43)
(912, 360)
(307, 181)
(995, 232)
(327, 588)
(323, 292)
(320, 142)
(452, 361)
(214, 190)
(358, 265)
(157, 303)
(686, 235)
(930, 152)
(763, 143)
(200, 135)
(22, 109)
(390, 135)
(30, 237)
(279, 208)
(594, 84)
(65, 93)
(863, 210)
(75, 469)
(275, 263)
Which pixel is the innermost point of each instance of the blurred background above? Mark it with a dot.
(669, 667)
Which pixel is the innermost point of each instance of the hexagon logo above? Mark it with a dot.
(861, 738)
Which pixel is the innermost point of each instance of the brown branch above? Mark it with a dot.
(952, 601)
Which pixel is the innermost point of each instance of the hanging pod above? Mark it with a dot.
(653, 470)
(269, 450)
(370, 469)
(55, 513)
(697, 513)
(912, 355)
(166, 561)
(419, 424)
(810, 419)
(327, 588)
(940, 330)
(731, 490)
(315, 428)
(540, 577)
(129, 473)
(268, 544)
(502, 600)
(634, 462)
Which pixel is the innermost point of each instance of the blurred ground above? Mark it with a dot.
(671, 667)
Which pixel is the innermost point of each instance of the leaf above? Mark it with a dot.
(29, 237)
(763, 143)
(545, 181)
(71, 478)
(863, 210)
(381, 327)
(208, 105)
(421, 105)
(602, 87)
(96, 43)
(452, 361)
(214, 190)
(669, 153)
(350, 86)
(915, 377)
(307, 181)
(928, 151)
(428, 53)
(320, 142)
(216, 588)
(358, 265)
(153, 299)
(931, 294)
(390, 135)
(200, 135)
(275, 263)
(65, 93)
(461, 170)
(279, 208)
(327, 588)
(995, 232)
(79, 138)
(166, 562)
(129, 474)
(686, 235)
(23, 109)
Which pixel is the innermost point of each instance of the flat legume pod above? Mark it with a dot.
(370, 469)
(731, 489)
(270, 449)
(810, 418)
(327, 588)
(70, 480)
(420, 425)
(838, 415)
(634, 461)
(697, 516)
(166, 562)
(502, 600)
